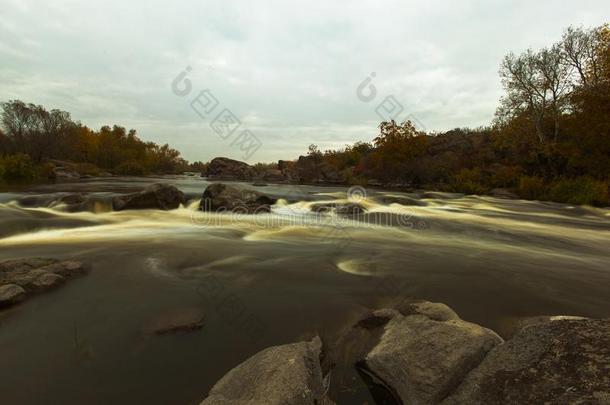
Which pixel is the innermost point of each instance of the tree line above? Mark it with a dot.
(32, 137)
(550, 138)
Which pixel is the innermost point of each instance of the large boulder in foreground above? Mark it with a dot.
(220, 197)
(421, 359)
(563, 361)
(229, 169)
(156, 196)
(22, 278)
(281, 375)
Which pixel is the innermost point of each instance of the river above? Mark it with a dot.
(271, 279)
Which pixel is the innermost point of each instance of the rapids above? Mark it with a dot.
(270, 279)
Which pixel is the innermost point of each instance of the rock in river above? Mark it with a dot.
(219, 197)
(156, 196)
(23, 277)
(421, 360)
(229, 169)
(178, 321)
(11, 294)
(347, 209)
(423, 353)
(281, 375)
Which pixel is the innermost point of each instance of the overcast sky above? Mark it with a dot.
(288, 70)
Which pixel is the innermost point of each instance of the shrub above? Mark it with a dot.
(45, 170)
(580, 190)
(532, 188)
(506, 176)
(88, 169)
(469, 181)
(130, 168)
(18, 167)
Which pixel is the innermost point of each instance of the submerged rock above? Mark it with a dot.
(440, 195)
(179, 321)
(421, 360)
(219, 197)
(73, 202)
(22, 277)
(156, 196)
(34, 201)
(339, 208)
(403, 200)
(289, 374)
(555, 362)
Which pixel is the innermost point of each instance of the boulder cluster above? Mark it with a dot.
(423, 353)
(307, 169)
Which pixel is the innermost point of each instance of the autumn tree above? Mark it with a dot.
(42, 134)
(395, 148)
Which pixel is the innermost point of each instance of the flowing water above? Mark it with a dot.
(270, 279)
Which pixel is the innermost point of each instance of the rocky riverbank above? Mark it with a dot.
(423, 353)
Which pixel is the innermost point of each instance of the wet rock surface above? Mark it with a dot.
(288, 374)
(556, 362)
(22, 278)
(156, 196)
(340, 208)
(402, 200)
(220, 197)
(73, 202)
(421, 359)
(423, 353)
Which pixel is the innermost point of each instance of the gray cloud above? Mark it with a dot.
(288, 70)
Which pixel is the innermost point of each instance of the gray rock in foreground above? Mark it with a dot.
(556, 362)
(422, 359)
(22, 278)
(155, 196)
(280, 375)
(423, 353)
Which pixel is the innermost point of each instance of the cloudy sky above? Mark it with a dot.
(288, 71)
